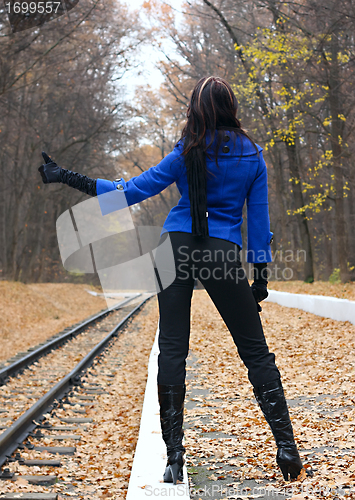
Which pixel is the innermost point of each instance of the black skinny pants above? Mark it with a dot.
(216, 263)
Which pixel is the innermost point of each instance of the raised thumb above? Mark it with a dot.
(46, 157)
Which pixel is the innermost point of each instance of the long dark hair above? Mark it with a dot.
(212, 106)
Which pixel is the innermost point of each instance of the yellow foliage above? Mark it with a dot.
(274, 60)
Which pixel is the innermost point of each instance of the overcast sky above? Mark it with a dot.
(149, 57)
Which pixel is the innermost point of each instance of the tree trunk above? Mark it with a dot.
(296, 181)
(336, 137)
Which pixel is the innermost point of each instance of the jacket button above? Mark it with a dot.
(119, 187)
(226, 138)
(225, 149)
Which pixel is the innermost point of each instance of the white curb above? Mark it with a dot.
(328, 307)
(150, 455)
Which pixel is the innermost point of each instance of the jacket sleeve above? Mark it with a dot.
(258, 221)
(78, 181)
(147, 184)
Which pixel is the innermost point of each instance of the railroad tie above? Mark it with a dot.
(61, 450)
(28, 496)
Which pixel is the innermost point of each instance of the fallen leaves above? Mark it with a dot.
(30, 314)
(225, 431)
(316, 359)
(339, 290)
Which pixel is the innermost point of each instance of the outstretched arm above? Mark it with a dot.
(51, 172)
(136, 189)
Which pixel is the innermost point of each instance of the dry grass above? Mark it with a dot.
(32, 313)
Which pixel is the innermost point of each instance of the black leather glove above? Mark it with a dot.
(49, 171)
(259, 286)
(260, 291)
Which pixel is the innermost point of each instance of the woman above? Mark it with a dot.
(216, 167)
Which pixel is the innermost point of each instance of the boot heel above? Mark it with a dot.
(175, 469)
(284, 470)
(272, 402)
(167, 478)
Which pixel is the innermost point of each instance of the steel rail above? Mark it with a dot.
(20, 429)
(28, 359)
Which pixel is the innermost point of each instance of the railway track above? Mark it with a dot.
(40, 386)
(24, 360)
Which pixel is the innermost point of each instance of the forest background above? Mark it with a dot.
(63, 89)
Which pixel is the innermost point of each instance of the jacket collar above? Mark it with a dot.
(237, 143)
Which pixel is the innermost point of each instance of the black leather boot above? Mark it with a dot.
(271, 399)
(171, 400)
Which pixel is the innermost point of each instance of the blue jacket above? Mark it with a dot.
(241, 175)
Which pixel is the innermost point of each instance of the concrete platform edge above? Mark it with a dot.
(149, 462)
(328, 307)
